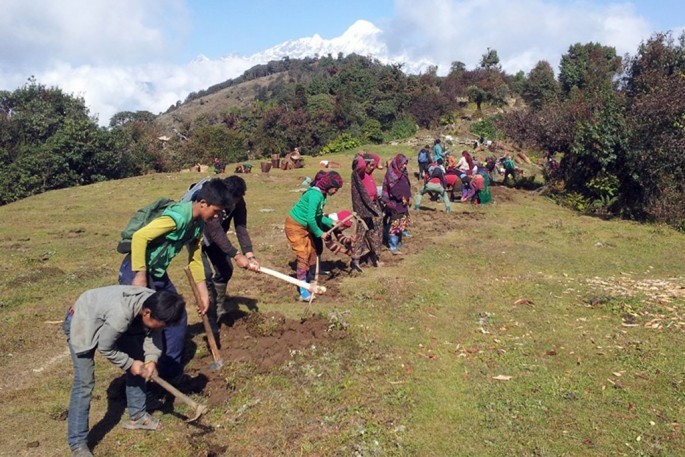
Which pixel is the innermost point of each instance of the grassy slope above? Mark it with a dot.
(427, 334)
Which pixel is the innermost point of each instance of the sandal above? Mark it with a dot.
(144, 422)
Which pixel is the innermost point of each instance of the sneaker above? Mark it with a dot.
(144, 422)
(81, 450)
(406, 234)
(303, 299)
(395, 252)
(354, 265)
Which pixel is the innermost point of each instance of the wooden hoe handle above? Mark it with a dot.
(205, 321)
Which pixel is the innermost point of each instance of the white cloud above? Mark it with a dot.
(87, 31)
(152, 87)
(522, 32)
(117, 54)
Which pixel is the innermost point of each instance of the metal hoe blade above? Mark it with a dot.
(199, 411)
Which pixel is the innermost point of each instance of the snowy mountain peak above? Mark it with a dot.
(360, 38)
(361, 28)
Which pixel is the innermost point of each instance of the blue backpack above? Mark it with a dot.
(423, 156)
(193, 189)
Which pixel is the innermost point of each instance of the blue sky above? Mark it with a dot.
(246, 27)
(143, 54)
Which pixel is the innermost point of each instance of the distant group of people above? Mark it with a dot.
(465, 180)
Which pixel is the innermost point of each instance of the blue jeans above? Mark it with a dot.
(84, 382)
(170, 363)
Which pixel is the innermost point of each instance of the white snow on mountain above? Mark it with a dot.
(362, 38)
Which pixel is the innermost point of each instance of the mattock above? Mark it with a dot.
(198, 409)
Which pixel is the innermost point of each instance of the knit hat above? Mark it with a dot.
(345, 214)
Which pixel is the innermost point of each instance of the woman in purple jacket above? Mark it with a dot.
(396, 195)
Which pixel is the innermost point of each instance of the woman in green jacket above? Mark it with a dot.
(304, 226)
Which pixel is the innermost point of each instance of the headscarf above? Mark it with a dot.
(370, 158)
(376, 160)
(325, 180)
(395, 172)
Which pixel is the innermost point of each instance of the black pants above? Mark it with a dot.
(223, 266)
(423, 168)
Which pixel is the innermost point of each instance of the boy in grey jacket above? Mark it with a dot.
(124, 324)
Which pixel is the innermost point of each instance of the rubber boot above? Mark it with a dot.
(375, 260)
(216, 308)
(220, 288)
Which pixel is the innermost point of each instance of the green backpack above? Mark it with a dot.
(140, 219)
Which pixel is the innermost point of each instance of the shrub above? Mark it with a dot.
(404, 127)
(342, 142)
(486, 127)
(372, 131)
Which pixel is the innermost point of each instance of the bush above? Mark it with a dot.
(486, 127)
(573, 200)
(343, 142)
(404, 127)
(372, 131)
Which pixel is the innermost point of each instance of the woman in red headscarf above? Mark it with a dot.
(305, 224)
(365, 203)
(396, 195)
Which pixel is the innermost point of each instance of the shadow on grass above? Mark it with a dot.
(116, 405)
(330, 268)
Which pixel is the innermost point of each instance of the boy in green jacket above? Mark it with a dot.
(124, 324)
(155, 245)
(303, 226)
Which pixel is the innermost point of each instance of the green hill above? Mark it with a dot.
(518, 328)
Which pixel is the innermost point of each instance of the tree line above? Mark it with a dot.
(616, 127)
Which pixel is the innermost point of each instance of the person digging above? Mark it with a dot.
(124, 324)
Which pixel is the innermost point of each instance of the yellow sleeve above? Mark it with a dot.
(195, 261)
(139, 241)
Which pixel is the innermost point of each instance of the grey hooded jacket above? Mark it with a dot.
(103, 315)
